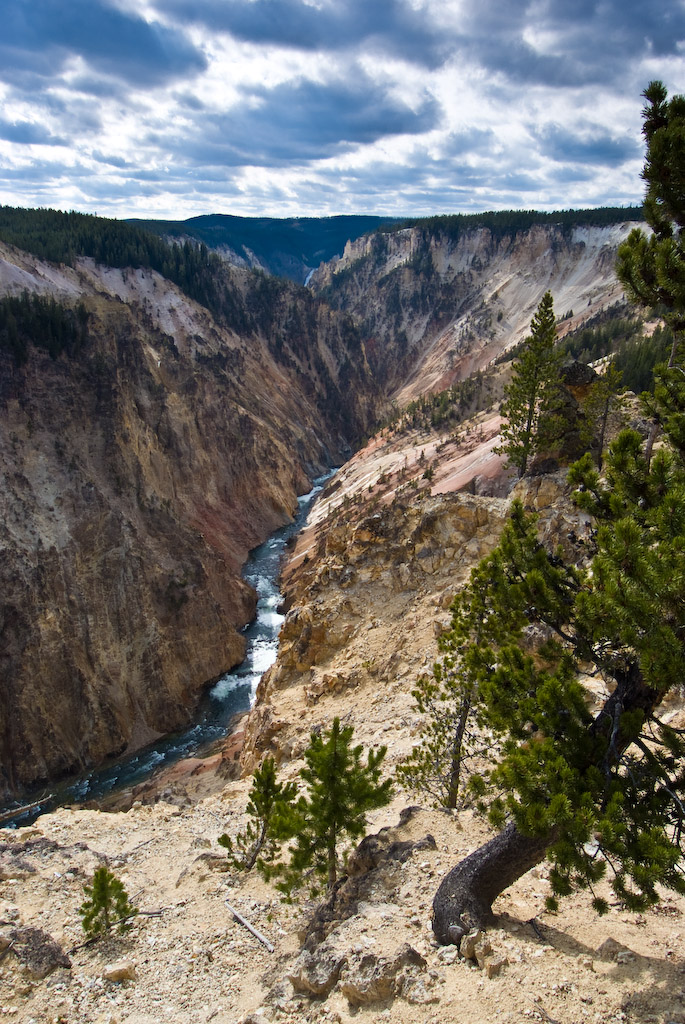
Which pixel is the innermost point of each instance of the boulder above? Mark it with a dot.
(376, 979)
(317, 973)
(470, 942)
(372, 866)
(610, 949)
(37, 952)
(416, 992)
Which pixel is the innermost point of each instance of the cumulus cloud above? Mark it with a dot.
(387, 26)
(28, 133)
(300, 121)
(323, 106)
(591, 147)
(42, 36)
(562, 45)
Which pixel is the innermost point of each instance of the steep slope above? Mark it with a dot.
(363, 623)
(439, 303)
(135, 477)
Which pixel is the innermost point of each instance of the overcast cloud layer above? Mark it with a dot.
(170, 108)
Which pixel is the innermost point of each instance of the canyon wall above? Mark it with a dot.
(135, 476)
(366, 608)
(438, 306)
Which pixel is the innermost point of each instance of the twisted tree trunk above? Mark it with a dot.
(465, 896)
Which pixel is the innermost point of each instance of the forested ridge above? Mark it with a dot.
(506, 222)
(285, 313)
(286, 246)
(62, 237)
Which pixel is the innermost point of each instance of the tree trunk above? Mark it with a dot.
(332, 861)
(465, 897)
(457, 744)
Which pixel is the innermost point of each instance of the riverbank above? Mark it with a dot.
(148, 771)
(188, 780)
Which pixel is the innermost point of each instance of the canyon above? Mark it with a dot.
(368, 592)
(178, 494)
(136, 477)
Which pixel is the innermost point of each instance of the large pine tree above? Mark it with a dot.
(652, 266)
(599, 791)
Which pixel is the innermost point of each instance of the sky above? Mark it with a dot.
(174, 108)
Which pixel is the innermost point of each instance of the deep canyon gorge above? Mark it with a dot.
(137, 473)
(137, 476)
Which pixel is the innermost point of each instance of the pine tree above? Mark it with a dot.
(598, 791)
(342, 788)
(107, 904)
(450, 737)
(257, 844)
(651, 267)
(530, 397)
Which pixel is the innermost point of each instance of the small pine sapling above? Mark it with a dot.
(257, 843)
(107, 904)
(342, 788)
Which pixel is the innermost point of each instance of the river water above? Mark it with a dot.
(232, 694)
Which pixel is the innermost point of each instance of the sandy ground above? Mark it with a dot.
(194, 963)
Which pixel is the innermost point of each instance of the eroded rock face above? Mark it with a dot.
(391, 554)
(456, 301)
(374, 979)
(373, 869)
(373, 586)
(134, 479)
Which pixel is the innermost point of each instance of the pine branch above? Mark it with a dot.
(101, 935)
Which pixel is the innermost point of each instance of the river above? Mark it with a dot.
(233, 694)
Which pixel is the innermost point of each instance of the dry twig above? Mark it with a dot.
(246, 924)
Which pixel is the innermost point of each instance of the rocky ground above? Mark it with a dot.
(194, 963)
(367, 604)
